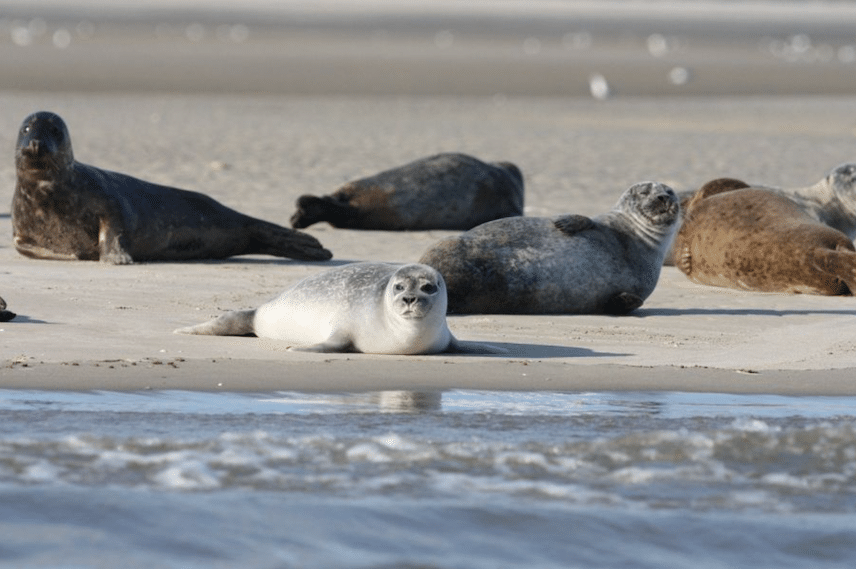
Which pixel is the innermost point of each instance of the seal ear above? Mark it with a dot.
(573, 224)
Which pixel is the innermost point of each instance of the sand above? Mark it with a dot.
(256, 147)
(84, 325)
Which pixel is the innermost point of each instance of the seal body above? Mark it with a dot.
(569, 264)
(831, 201)
(446, 191)
(379, 308)
(63, 209)
(759, 240)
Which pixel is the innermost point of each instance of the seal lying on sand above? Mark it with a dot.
(567, 264)
(5, 315)
(378, 308)
(446, 191)
(757, 239)
(831, 201)
(63, 209)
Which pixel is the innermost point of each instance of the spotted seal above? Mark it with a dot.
(569, 264)
(757, 239)
(831, 201)
(64, 209)
(379, 308)
(445, 191)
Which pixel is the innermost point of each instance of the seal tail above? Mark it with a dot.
(271, 239)
(312, 209)
(236, 323)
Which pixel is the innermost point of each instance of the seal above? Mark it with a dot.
(710, 188)
(757, 239)
(5, 315)
(831, 201)
(64, 209)
(376, 308)
(445, 191)
(571, 264)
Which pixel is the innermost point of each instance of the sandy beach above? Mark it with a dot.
(257, 147)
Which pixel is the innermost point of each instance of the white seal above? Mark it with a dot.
(376, 308)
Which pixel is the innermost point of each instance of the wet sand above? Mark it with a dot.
(256, 147)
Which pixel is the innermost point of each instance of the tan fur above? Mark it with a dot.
(756, 239)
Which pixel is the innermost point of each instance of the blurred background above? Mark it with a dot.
(498, 48)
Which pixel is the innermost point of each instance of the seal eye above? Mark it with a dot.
(25, 129)
(398, 287)
(428, 288)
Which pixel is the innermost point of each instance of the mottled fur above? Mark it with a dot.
(569, 264)
(63, 209)
(759, 240)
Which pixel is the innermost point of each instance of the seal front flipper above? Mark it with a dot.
(622, 303)
(573, 224)
(312, 209)
(235, 323)
(110, 248)
(337, 343)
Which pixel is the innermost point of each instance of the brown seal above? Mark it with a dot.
(570, 264)
(445, 191)
(757, 239)
(63, 209)
(831, 201)
(5, 315)
(713, 187)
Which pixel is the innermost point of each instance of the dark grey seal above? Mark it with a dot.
(569, 264)
(446, 191)
(5, 315)
(63, 209)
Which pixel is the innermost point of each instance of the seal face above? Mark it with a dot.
(757, 239)
(445, 191)
(569, 264)
(64, 209)
(380, 308)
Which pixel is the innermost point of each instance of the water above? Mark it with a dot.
(398, 479)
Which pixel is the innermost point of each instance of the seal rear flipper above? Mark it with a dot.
(573, 224)
(622, 303)
(271, 239)
(840, 265)
(312, 209)
(236, 323)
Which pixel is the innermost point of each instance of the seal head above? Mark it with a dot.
(43, 150)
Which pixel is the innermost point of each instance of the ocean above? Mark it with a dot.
(458, 479)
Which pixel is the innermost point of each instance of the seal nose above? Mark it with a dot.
(32, 147)
(409, 300)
